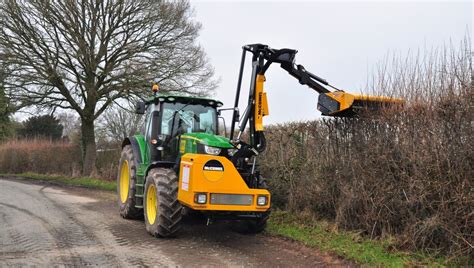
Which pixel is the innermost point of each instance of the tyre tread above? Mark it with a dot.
(169, 211)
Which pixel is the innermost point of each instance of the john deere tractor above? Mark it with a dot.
(180, 164)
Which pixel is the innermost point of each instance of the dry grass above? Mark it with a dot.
(53, 157)
(40, 156)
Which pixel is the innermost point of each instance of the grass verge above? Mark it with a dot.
(76, 181)
(349, 246)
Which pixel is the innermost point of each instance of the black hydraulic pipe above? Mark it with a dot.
(237, 94)
(315, 77)
(249, 110)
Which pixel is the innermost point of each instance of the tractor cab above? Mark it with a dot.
(172, 119)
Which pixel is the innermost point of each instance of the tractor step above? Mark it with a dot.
(139, 200)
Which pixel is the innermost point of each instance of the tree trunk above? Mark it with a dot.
(89, 154)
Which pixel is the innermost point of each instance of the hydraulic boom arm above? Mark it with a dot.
(332, 103)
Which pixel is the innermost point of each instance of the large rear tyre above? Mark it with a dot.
(162, 209)
(126, 180)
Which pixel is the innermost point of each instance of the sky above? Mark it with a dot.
(339, 41)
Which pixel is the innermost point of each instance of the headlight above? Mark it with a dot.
(200, 198)
(212, 150)
(262, 200)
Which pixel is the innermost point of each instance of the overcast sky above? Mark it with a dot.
(339, 41)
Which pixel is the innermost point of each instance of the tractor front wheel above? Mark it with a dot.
(257, 224)
(162, 209)
(126, 179)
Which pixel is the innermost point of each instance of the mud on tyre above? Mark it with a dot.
(162, 210)
(126, 180)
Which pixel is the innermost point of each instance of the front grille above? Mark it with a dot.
(232, 199)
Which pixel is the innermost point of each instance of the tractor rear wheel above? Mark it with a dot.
(162, 209)
(126, 180)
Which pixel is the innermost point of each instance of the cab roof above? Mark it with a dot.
(167, 97)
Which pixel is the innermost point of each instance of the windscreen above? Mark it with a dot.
(180, 118)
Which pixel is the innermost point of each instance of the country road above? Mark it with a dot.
(46, 225)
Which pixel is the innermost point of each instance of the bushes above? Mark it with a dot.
(39, 156)
(405, 173)
(42, 127)
(53, 157)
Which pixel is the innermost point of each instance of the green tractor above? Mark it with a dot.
(180, 164)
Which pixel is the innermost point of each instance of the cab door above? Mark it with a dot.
(151, 132)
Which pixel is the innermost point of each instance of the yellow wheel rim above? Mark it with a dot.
(151, 204)
(124, 181)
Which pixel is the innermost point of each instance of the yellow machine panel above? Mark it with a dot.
(217, 179)
(261, 104)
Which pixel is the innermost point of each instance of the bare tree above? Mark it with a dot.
(71, 124)
(85, 55)
(118, 123)
(5, 128)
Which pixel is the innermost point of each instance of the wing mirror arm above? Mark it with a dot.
(236, 111)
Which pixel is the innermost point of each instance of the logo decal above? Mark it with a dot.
(213, 165)
(213, 170)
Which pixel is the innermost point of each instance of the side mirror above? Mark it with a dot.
(222, 127)
(140, 107)
(236, 112)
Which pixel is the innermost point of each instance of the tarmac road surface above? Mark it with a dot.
(45, 225)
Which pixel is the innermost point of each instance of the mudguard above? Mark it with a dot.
(138, 146)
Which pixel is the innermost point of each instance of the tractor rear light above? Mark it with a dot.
(200, 198)
(262, 200)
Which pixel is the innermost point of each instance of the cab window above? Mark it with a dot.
(180, 118)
